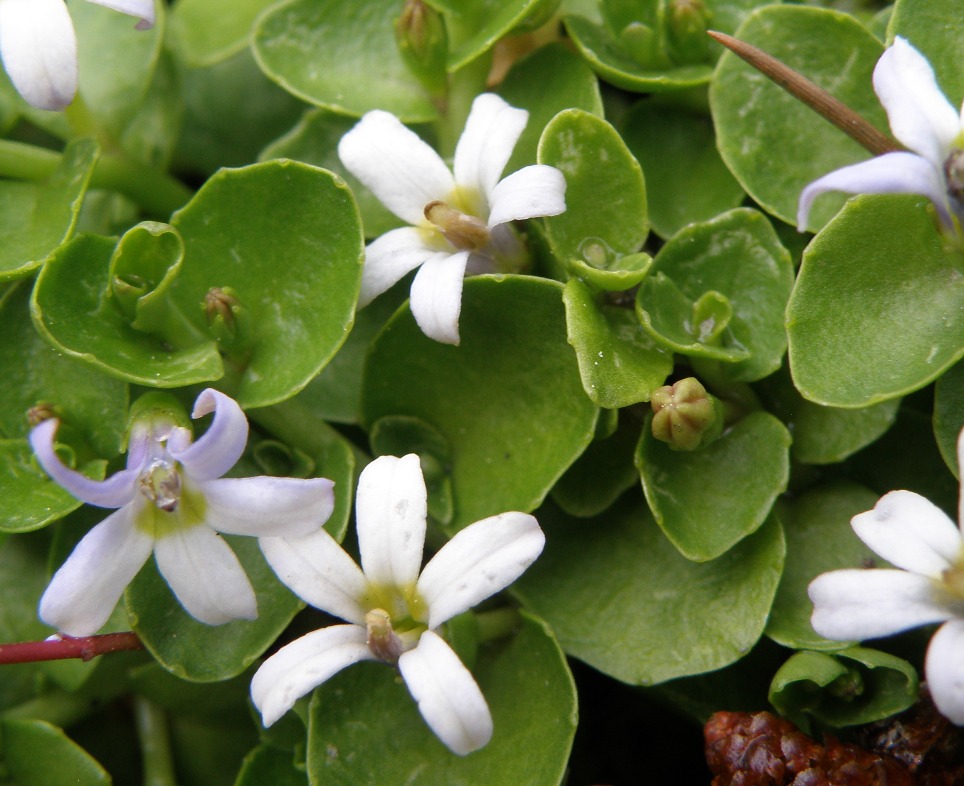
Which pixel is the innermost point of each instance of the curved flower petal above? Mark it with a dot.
(39, 51)
(221, 445)
(482, 559)
(266, 506)
(910, 532)
(920, 115)
(944, 669)
(303, 665)
(117, 490)
(391, 256)
(320, 572)
(486, 144)
(865, 604)
(83, 593)
(537, 190)
(403, 171)
(205, 575)
(892, 173)
(141, 8)
(447, 695)
(436, 296)
(390, 510)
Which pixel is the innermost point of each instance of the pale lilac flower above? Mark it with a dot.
(459, 223)
(39, 48)
(173, 502)
(393, 611)
(910, 532)
(922, 119)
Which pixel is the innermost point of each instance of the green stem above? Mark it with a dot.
(57, 707)
(497, 624)
(155, 741)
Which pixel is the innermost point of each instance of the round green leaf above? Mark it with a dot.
(209, 31)
(317, 49)
(774, 144)
(508, 400)
(878, 307)
(619, 362)
(35, 753)
(691, 492)
(819, 539)
(366, 709)
(935, 29)
(267, 764)
(296, 290)
(621, 598)
(949, 414)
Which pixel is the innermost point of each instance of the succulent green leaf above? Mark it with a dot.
(35, 753)
(209, 31)
(267, 764)
(621, 598)
(878, 307)
(935, 29)
(949, 414)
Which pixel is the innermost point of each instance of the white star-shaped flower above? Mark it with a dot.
(910, 532)
(922, 119)
(458, 222)
(39, 48)
(393, 610)
(173, 501)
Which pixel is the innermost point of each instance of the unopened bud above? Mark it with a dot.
(465, 232)
(685, 416)
(423, 44)
(847, 686)
(40, 412)
(686, 24)
(222, 309)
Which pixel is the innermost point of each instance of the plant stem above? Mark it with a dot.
(61, 648)
(57, 707)
(497, 624)
(155, 742)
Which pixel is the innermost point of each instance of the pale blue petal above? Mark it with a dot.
(265, 506)
(221, 445)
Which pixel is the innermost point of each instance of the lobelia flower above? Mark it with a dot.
(459, 224)
(392, 610)
(173, 501)
(39, 48)
(922, 119)
(910, 532)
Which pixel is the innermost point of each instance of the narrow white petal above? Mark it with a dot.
(303, 665)
(479, 561)
(865, 604)
(83, 593)
(403, 171)
(920, 115)
(892, 173)
(391, 256)
(319, 572)
(390, 510)
(486, 144)
(39, 51)
(205, 575)
(436, 296)
(266, 506)
(960, 474)
(140, 8)
(221, 445)
(910, 532)
(447, 695)
(537, 190)
(117, 490)
(944, 669)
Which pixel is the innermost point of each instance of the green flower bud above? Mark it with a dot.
(685, 416)
(423, 44)
(686, 24)
(223, 311)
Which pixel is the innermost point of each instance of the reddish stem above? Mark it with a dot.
(62, 647)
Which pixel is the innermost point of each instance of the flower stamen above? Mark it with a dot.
(382, 640)
(465, 232)
(161, 484)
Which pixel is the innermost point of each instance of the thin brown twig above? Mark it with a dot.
(63, 647)
(818, 99)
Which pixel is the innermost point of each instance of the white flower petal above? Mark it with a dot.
(537, 190)
(117, 490)
(920, 115)
(436, 296)
(486, 144)
(319, 572)
(39, 51)
(865, 604)
(303, 665)
(391, 256)
(892, 173)
(266, 506)
(447, 695)
(390, 510)
(205, 575)
(944, 669)
(221, 445)
(403, 171)
(140, 8)
(910, 532)
(960, 474)
(479, 561)
(83, 593)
